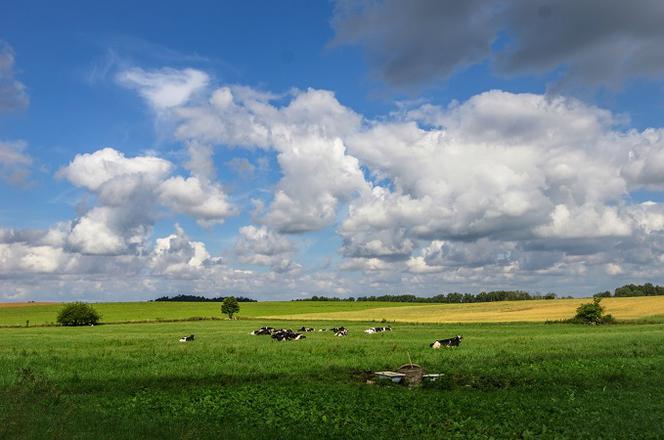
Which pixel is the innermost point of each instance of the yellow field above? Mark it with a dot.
(504, 311)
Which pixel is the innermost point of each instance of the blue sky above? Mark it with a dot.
(285, 149)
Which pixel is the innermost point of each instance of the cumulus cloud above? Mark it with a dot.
(597, 42)
(502, 190)
(13, 95)
(93, 170)
(125, 188)
(177, 256)
(503, 185)
(128, 189)
(201, 199)
(307, 134)
(265, 247)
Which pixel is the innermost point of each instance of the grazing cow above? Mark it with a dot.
(450, 342)
(306, 329)
(263, 331)
(187, 338)
(287, 335)
(341, 331)
(377, 330)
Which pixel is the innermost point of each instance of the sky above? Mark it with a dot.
(279, 150)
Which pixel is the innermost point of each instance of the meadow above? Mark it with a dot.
(17, 314)
(506, 380)
(12, 314)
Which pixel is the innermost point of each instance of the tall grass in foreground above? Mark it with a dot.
(505, 381)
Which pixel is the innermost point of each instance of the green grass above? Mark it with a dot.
(505, 381)
(503, 311)
(42, 314)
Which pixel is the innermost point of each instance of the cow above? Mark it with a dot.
(287, 335)
(340, 331)
(187, 338)
(306, 329)
(263, 331)
(377, 330)
(450, 342)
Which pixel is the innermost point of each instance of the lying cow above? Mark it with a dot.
(287, 335)
(187, 338)
(263, 331)
(306, 329)
(340, 331)
(450, 342)
(377, 330)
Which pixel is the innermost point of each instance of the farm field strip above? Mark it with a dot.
(40, 314)
(500, 311)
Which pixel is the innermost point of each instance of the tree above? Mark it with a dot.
(78, 313)
(592, 313)
(230, 306)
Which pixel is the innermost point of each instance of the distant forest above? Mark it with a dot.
(646, 289)
(194, 298)
(499, 295)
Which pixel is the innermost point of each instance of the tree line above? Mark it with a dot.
(454, 297)
(646, 289)
(194, 298)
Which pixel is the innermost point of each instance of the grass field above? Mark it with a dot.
(40, 314)
(526, 380)
(505, 311)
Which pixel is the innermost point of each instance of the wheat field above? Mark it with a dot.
(503, 311)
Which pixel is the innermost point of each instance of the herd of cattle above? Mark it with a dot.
(284, 334)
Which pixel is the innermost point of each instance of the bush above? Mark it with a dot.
(592, 313)
(78, 313)
(230, 306)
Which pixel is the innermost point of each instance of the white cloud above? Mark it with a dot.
(165, 88)
(307, 135)
(500, 191)
(128, 190)
(203, 200)
(23, 258)
(93, 170)
(176, 255)
(265, 247)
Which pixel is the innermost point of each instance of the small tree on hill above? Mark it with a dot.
(592, 313)
(78, 313)
(230, 306)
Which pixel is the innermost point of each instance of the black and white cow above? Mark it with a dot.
(306, 329)
(450, 342)
(340, 331)
(263, 331)
(377, 330)
(287, 335)
(187, 338)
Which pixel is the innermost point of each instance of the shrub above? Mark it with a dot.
(78, 313)
(592, 313)
(230, 306)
